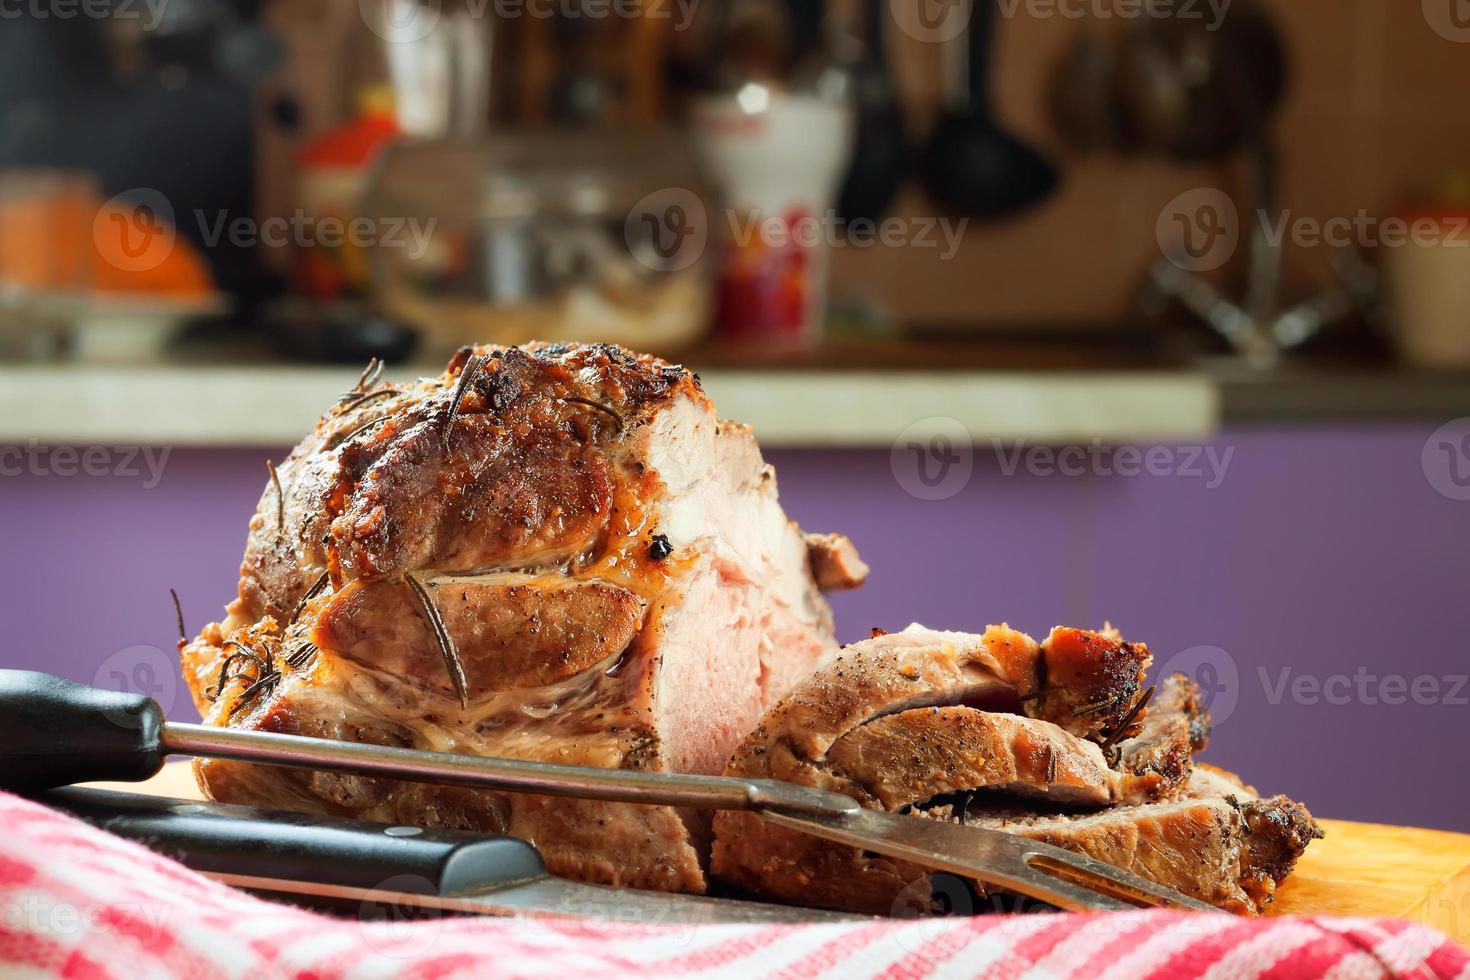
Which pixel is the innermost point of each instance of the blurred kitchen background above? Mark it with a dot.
(1064, 310)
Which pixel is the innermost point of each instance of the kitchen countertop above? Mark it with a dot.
(852, 394)
(266, 405)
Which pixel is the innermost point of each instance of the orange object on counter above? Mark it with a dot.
(333, 177)
(57, 235)
(136, 251)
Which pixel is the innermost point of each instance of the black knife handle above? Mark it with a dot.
(219, 839)
(54, 732)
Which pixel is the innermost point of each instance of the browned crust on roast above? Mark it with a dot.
(1277, 832)
(1160, 759)
(508, 631)
(1092, 681)
(368, 498)
(835, 562)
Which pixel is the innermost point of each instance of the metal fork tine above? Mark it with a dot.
(992, 857)
(1088, 873)
(1068, 896)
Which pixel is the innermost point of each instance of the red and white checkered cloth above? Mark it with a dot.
(78, 903)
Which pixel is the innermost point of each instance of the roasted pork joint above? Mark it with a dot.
(555, 553)
(1057, 740)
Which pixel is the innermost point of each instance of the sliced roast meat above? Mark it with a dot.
(835, 562)
(900, 762)
(916, 755)
(903, 731)
(904, 719)
(1085, 682)
(1230, 850)
(1093, 681)
(1160, 758)
(554, 553)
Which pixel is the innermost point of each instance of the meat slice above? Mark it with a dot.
(916, 755)
(904, 720)
(896, 723)
(1086, 682)
(1231, 850)
(1092, 682)
(554, 553)
(835, 562)
(903, 762)
(1160, 758)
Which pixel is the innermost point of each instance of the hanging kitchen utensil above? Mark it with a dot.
(1150, 99)
(1080, 96)
(973, 166)
(54, 732)
(880, 156)
(1197, 90)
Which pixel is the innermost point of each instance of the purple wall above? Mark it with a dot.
(1324, 559)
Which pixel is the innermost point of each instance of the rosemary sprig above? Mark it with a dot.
(356, 399)
(179, 616)
(265, 682)
(242, 652)
(308, 595)
(471, 368)
(1138, 706)
(339, 439)
(599, 406)
(368, 378)
(280, 498)
(302, 655)
(452, 663)
(1095, 708)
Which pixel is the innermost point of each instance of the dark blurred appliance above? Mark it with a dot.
(160, 96)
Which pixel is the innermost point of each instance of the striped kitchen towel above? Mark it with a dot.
(79, 903)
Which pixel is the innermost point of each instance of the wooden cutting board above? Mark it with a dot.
(1358, 869)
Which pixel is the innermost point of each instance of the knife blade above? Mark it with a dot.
(335, 862)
